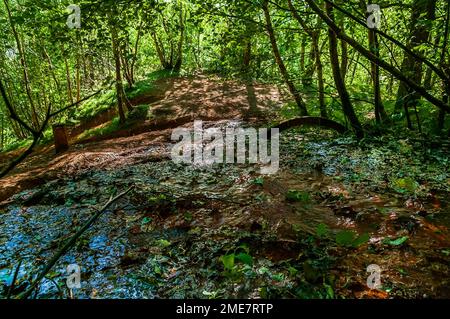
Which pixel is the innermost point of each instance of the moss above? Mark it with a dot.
(16, 145)
(103, 130)
(147, 86)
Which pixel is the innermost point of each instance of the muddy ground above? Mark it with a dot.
(311, 230)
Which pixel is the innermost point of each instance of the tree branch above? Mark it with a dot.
(70, 243)
(380, 62)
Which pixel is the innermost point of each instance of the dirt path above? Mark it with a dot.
(179, 101)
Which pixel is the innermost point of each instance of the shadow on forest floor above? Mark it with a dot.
(309, 231)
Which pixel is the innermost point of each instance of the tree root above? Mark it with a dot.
(312, 121)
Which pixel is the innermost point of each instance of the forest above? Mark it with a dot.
(347, 101)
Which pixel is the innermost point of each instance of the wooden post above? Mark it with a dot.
(60, 137)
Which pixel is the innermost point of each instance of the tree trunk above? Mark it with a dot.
(445, 66)
(23, 62)
(247, 55)
(119, 86)
(126, 67)
(320, 82)
(78, 78)
(135, 53)
(2, 134)
(344, 53)
(179, 61)
(302, 55)
(159, 50)
(347, 107)
(380, 62)
(419, 33)
(68, 78)
(315, 37)
(284, 73)
(380, 113)
(427, 82)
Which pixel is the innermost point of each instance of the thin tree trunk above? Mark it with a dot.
(380, 113)
(446, 68)
(119, 85)
(427, 82)
(179, 60)
(302, 55)
(344, 54)
(23, 62)
(2, 132)
(159, 50)
(284, 73)
(315, 37)
(77, 78)
(247, 55)
(380, 62)
(52, 69)
(135, 54)
(412, 67)
(347, 107)
(126, 68)
(320, 82)
(68, 77)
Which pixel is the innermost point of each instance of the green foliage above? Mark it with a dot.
(149, 86)
(245, 258)
(297, 196)
(104, 130)
(350, 238)
(258, 181)
(322, 230)
(95, 106)
(17, 145)
(396, 242)
(233, 270)
(139, 113)
(228, 261)
(405, 185)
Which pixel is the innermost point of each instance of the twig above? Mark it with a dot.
(16, 273)
(69, 244)
(56, 285)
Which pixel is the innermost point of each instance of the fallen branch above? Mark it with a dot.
(13, 283)
(69, 244)
(312, 121)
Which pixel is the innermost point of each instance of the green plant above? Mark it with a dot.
(395, 242)
(228, 260)
(258, 181)
(405, 185)
(321, 230)
(297, 196)
(348, 238)
(103, 130)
